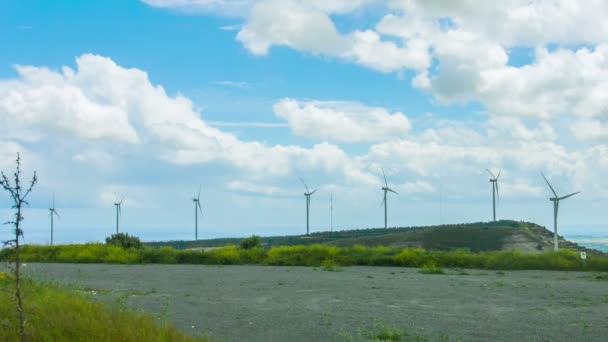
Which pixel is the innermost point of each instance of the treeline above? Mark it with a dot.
(315, 255)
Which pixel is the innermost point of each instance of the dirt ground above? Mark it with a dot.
(264, 303)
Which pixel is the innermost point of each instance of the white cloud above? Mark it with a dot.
(123, 105)
(341, 121)
(290, 23)
(260, 189)
(224, 7)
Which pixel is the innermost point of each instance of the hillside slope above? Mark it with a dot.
(481, 236)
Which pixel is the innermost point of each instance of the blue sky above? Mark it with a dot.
(148, 99)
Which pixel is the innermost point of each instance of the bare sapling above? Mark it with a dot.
(18, 196)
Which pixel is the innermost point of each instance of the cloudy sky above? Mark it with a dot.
(150, 99)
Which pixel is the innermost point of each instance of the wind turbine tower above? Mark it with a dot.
(385, 188)
(308, 193)
(197, 208)
(53, 212)
(331, 212)
(494, 181)
(118, 212)
(555, 201)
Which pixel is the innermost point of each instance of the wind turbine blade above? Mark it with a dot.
(499, 172)
(549, 184)
(382, 203)
(393, 191)
(561, 198)
(198, 204)
(491, 174)
(496, 185)
(53, 200)
(200, 187)
(306, 187)
(384, 175)
(315, 190)
(56, 213)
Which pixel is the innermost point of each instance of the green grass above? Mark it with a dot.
(314, 255)
(431, 268)
(56, 314)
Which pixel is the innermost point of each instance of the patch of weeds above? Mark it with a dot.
(330, 266)
(326, 319)
(281, 283)
(370, 277)
(500, 283)
(500, 273)
(431, 268)
(384, 332)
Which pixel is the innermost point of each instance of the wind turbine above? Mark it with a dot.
(556, 200)
(331, 212)
(53, 212)
(494, 181)
(118, 211)
(308, 193)
(385, 188)
(197, 208)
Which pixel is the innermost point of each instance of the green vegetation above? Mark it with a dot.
(431, 268)
(55, 314)
(123, 240)
(476, 237)
(314, 255)
(251, 242)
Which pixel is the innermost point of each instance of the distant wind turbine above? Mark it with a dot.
(197, 208)
(494, 181)
(556, 200)
(53, 212)
(331, 212)
(385, 188)
(118, 211)
(308, 193)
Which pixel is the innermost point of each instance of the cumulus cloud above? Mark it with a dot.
(341, 121)
(122, 105)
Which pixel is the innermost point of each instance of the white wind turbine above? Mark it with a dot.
(117, 204)
(385, 188)
(197, 208)
(308, 193)
(53, 212)
(555, 201)
(494, 181)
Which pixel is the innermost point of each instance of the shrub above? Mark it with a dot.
(431, 268)
(124, 240)
(251, 242)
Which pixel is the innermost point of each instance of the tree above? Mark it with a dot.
(251, 242)
(123, 240)
(18, 196)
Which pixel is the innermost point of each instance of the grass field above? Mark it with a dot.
(53, 313)
(269, 303)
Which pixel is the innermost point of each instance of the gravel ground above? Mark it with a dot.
(264, 303)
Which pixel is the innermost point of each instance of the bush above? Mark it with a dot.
(251, 242)
(124, 240)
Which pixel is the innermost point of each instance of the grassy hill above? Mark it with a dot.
(480, 236)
